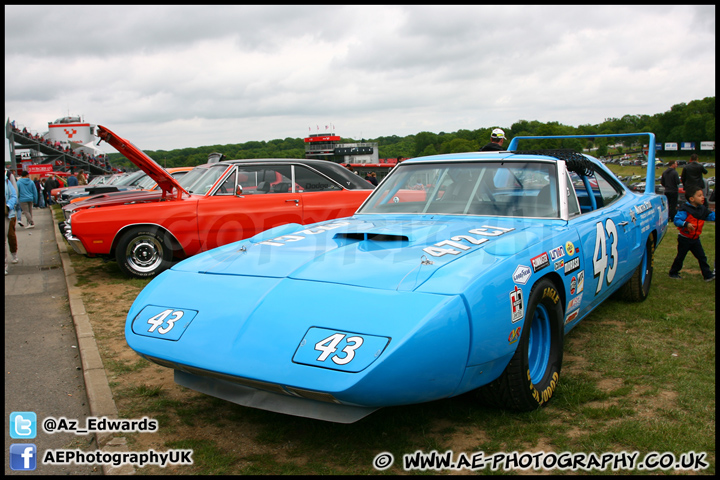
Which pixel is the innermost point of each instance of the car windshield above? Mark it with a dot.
(146, 183)
(131, 179)
(200, 179)
(508, 189)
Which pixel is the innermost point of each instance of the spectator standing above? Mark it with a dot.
(50, 184)
(692, 174)
(45, 192)
(40, 200)
(82, 178)
(72, 180)
(10, 206)
(670, 180)
(497, 137)
(372, 178)
(27, 195)
(690, 220)
(18, 211)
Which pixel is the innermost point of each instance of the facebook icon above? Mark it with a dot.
(23, 456)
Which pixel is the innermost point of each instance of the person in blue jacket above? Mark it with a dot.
(690, 220)
(27, 196)
(10, 204)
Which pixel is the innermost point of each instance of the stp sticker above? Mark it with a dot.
(516, 303)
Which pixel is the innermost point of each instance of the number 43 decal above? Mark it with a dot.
(328, 346)
(162, 317)
(600, 256)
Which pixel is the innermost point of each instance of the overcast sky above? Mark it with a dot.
(168, 77)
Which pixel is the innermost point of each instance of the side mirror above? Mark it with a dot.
(239, 190)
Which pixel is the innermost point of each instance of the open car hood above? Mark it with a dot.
(164, 180)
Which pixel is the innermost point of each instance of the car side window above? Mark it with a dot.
(260, 180)
(310, 181)
(573, 205)
(228, 186)
(595, 191)
(609, 191)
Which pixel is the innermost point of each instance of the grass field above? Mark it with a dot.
(636, 378)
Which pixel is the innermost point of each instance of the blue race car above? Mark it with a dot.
(459, 272)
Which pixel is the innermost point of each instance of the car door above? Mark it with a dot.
(266, 201)
(607, 234)
(322, 198)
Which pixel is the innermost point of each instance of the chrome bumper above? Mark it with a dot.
(74, 242)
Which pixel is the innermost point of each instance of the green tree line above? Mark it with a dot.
(691, 122)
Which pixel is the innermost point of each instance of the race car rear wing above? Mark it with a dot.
(650, 180)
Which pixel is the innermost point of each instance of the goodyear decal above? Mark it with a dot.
(521, 274)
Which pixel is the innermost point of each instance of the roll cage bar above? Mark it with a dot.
(650, 180)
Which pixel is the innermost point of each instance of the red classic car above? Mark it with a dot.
(217, 203)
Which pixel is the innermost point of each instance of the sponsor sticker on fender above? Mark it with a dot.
(540, 262)
(571, 316)
(569, 248)
(521, 274)
(516, 303)
(572, 265)
(514, 335)
(575, 302)
(556, 253)
(580, 281)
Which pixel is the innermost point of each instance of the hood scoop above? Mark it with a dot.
(375, 237)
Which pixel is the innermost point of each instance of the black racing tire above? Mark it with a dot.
(143, 252)
(531, 377)
(638, 287)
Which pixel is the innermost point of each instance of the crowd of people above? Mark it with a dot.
(75, 158)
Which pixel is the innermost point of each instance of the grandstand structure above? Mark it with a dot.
(68, 145)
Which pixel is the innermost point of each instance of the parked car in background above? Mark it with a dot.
(94, 182)
(470, 282)
(144, 183)
(219, 203)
